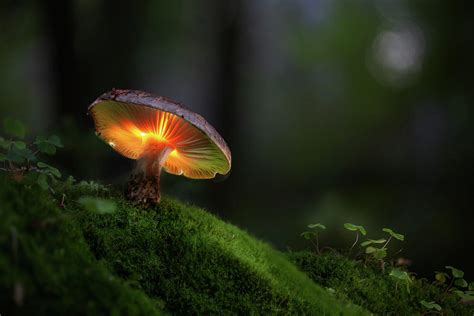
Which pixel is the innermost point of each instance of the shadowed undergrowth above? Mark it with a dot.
(379, 293)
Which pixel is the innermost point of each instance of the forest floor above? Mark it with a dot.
(72, 252)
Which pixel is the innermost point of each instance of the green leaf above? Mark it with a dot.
(98, 205)
(455, 272)
(353, 227)
(461, 283)
(458, 292)
(380, 254)
(370, 250)
(394, 234)
(400, 274)
(46, 148)
(5, 144)
(431, 305)
(42, 181)
(14, 128)
(471, 286)
(350, 227)
(20, 144)
(373, 241)
(55, 140)
(48, 145)
(441, 277)
(317, 225)
(20, 155)
(49, 169)
(308, 235)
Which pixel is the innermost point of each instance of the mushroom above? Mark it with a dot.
(158, 133)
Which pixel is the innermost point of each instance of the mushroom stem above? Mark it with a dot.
(144, 185)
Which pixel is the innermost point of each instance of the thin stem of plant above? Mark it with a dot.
(355, 242)
(383, 247)
(450, 285)
(317, 243)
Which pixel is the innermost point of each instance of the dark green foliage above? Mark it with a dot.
(19, 158)
(377, 292)
(43, 255)
(75, 261)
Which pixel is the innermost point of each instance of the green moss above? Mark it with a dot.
(368, 287)
(201, 265)
(71, 260)
(44, 255)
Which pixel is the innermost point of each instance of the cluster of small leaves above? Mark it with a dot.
(457, 285)
(21, 158)
(370, 245)
(431, 305)
(312, 235)
(377, 249)
(380, 252)
(402, 276)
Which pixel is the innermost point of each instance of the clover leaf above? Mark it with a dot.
(354, 228)
(455, 272)
(431, 305)
(394, 234)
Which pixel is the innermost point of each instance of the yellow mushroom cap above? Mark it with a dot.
(129, 121)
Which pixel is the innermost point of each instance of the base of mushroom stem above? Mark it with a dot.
(144, 191)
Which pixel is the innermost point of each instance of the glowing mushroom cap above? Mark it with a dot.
(129, 120)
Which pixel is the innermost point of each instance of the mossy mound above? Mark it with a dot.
(376, 291)
(78, 262)
(46, 267)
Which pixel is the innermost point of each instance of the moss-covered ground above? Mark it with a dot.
(174, 259)
(378, 292)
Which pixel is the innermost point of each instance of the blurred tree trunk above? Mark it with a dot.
(103, 57)
(228, 36)
(58, 19)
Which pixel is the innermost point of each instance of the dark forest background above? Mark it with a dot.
(335, 110)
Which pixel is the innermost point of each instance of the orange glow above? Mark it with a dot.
(128, 129)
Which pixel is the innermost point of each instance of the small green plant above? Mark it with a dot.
(459, 285)
(431, 305)
(402, 276)
(355, 228)
(20, 158)
(379, 253)
(312, 235)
